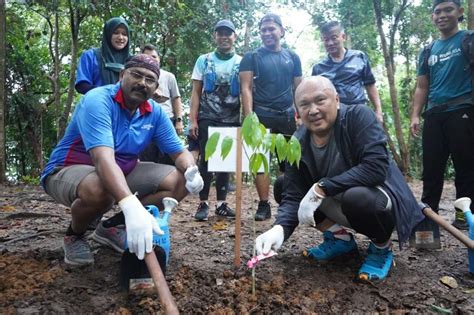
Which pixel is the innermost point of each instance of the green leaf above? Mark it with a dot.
(294, 153)
(254, 163)
(226, 146)
(265, 163)
(249, 127)
(268, 142)
(281, 147)
(211, 145)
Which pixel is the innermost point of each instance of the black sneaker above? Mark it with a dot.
(224, 211)
(264, 211)
(202, 212)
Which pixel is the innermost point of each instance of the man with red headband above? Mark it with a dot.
(96, 163)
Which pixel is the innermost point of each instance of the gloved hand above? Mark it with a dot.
(194, 182)
(272, 238)
(140, 225)
(308, 205)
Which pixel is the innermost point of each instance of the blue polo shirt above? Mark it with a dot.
(88, 69)
(101, 119)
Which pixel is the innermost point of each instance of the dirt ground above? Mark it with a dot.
(202, 277)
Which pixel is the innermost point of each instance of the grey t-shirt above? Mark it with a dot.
(328, 160)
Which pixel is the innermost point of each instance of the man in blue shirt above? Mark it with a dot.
(96, 163)
(268, 77)
(444, 84)
(348, 69)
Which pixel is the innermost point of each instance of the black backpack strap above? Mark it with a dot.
(426, 55)
(256, 72)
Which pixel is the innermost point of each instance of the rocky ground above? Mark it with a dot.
(202, 276)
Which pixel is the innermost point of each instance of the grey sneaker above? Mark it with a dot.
(114, 237)
(77, 250)
(224, 211)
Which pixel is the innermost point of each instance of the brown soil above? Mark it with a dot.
(202, 276)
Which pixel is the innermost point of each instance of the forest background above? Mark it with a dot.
(40, 42)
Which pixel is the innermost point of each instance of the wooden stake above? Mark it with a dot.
(166, 299)
(238, 198)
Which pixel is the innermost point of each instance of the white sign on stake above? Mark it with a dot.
(217, 164)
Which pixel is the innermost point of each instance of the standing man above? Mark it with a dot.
(268, 77)
(215, 102)
(345, 179)
(96, 163)
(167, 92)
(444, 84)
(349, 70)
(168, 96)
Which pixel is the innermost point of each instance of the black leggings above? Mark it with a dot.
(366, 210)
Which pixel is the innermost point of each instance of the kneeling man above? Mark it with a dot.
(345, 179)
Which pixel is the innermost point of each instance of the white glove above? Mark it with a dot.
(140, 225)
(272, 238)
(308, 205)
(194, 182)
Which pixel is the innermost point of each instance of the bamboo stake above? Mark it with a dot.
(238, 198)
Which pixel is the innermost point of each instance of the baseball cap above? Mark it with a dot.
(271, 17)
(436, 2)
(225, 23)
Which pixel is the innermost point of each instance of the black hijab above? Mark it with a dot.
(111, 61)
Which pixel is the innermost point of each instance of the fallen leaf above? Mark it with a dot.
(7, 208)
(220, 225)
(449, 281)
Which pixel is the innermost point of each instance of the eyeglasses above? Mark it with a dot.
(138, 76)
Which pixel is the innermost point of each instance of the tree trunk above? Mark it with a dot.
(470, 15)
(75, 19)
(2, 91)
(400, 158)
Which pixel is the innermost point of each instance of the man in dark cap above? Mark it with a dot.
(96, 163)
(268, 77)
(444, 84)
(215, 101)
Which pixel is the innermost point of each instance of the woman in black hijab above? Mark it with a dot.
(101, 66)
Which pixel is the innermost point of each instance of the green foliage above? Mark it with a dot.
(254, 136)
(30, 180)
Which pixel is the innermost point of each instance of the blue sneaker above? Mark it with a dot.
(377, 263)
(331, 248)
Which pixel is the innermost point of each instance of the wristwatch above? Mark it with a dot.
(179, 119)
(322, 185)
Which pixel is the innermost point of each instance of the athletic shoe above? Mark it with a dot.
(460, 221)
(224, 211)
(202, 212)
(264, 211)
(114, 237)
(77, 251)
(377, 263)
(331, 247)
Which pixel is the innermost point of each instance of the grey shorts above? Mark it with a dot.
(144, 180)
